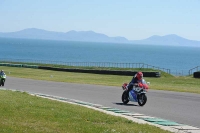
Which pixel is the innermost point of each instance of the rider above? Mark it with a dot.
(2, 72)
(136, 81)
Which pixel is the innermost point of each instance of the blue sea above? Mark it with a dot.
(179, 59)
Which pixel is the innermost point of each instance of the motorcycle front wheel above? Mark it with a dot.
(125, 97)
(142, 99)
(3, 81)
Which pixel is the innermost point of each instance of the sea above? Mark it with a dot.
(179, 59)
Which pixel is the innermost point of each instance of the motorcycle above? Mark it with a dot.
(136, 94)
(2, 79)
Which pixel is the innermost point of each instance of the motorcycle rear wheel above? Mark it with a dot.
(142, 99)
(125, 99)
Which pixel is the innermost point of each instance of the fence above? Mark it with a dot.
(194, 69)
(90, 64)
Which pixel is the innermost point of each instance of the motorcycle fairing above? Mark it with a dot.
(132, 96)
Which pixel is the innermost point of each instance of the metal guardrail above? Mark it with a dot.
(197, 68)
(89, 64)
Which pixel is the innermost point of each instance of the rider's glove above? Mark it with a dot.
(140, 85)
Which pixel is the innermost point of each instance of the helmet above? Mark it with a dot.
(139, 75)
(1, 70)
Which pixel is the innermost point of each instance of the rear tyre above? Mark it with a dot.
(142, 99)
(125, 97)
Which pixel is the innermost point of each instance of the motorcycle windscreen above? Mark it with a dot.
(145, 84)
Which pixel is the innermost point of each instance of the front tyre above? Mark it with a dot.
(2, 83)
(142, 99)
(125, 97)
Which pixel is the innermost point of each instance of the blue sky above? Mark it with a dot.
(133, 19)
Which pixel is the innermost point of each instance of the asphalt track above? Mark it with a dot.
(183, 108)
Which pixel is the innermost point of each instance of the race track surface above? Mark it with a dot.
(183, 108)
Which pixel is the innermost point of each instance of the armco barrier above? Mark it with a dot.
(10, 65)
(196, 74)
(109, 72)
(15, 65)
(18, 65)
(29, 66)
(4, 64)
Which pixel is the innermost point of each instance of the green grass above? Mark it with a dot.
(21, 112)
(165, 82)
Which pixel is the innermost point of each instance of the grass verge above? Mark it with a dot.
(21, 112)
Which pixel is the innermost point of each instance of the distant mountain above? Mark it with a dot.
(88, 36)
(91, 36)
(168, 40)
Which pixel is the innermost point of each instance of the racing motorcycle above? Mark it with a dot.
(2, 79)
(136, 94)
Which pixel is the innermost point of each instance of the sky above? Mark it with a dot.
(132, 19)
